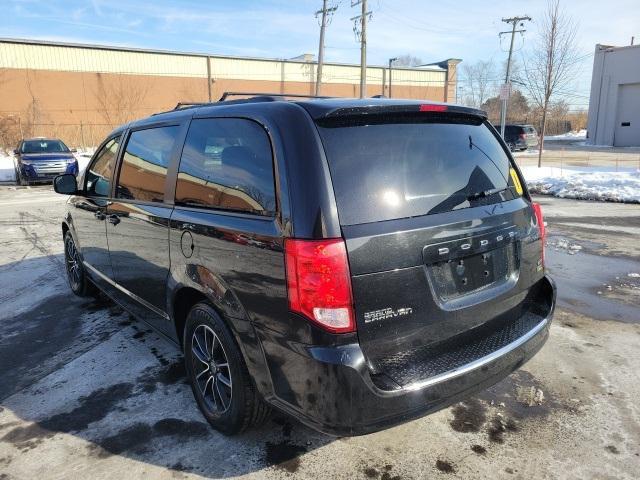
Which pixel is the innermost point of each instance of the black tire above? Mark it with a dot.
(231, 408)
(512, 147)
(76, 275)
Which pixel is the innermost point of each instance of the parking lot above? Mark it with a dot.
(87, 391)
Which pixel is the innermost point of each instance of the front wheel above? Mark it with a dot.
(76, 275)
(219, 378)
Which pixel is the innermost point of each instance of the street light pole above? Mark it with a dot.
(391, 60)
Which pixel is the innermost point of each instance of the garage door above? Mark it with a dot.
(627, 133)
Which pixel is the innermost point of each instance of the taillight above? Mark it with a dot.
(523, 135)
(319, 283)
(537, 210)
(427, 107)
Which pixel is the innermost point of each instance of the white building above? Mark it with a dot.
(614, 105)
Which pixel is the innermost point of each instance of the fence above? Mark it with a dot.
(611, 159)
(75, 135)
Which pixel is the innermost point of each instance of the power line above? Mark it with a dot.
(362, 19)
(514, 21)
(326, 15)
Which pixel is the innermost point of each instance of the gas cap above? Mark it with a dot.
(186, 244)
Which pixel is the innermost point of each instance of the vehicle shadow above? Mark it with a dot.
(85, 368)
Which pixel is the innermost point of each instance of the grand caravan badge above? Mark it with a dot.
(386, 313)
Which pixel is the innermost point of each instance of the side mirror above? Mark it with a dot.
(16, 151)
(73, 150)
(65, 184)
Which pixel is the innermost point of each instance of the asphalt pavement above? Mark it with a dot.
(86, 391)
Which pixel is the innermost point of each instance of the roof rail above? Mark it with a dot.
(183, 105)
(263, 95)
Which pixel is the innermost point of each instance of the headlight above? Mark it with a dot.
(71, 160)
(26, 162)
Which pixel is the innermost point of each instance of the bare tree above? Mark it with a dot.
(551, 64)
(34, 115)
(479, 82)
(407, 61)
(120, 99)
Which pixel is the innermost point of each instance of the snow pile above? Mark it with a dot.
(579, 135)
(594, 183)
(83, 156)
(7, 168)
(566, 245)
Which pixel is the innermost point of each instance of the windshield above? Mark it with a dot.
(43, 146)
(386, 168)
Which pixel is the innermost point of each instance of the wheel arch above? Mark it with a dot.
(183, 299)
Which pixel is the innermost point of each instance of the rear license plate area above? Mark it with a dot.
(461, 269)
(473, 272)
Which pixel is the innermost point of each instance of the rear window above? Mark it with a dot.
(385, 168)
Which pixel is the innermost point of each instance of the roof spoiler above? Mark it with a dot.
(402, 108)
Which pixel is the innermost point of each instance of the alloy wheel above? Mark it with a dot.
(211, 369)
(73, 264)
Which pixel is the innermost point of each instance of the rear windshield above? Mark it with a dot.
(385, 168)
(43, 146)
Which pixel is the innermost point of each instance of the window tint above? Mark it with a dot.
(100, 172)
(144, 165)
(391, 168)
(44, 146)
(227, 163)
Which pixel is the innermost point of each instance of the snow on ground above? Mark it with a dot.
(579, 135)
(7, 168)
(587, 183)
(83, 156)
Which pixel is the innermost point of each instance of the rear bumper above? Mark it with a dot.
(330, 389)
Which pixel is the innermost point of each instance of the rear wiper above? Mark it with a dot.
(487, 193)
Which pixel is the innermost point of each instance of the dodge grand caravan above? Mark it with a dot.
(353, 263)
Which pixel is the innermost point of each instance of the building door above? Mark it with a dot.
(627, 131)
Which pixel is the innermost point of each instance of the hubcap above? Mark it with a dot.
(211, 368)
(73, 263)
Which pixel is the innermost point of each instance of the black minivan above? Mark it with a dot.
(353, 263)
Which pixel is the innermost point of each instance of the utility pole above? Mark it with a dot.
(505, 92)
(391, 60)
(326, 12)
(362, 18)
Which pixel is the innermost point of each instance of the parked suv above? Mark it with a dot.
(520, 137)
(353, 263)
(42, 159)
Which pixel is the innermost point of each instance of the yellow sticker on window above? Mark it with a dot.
(516, 180)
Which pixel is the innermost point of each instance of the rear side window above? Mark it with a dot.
(385, 168)
(100, 172)
(227, 164)
(144, 165)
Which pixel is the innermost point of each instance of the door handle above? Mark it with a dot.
(99, 215)
(114, 219)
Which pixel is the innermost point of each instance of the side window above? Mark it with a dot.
(144, 164)
(227, 164)
(100, 172)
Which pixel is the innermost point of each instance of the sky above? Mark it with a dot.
(429, 30)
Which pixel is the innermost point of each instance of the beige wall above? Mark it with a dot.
(79, 93)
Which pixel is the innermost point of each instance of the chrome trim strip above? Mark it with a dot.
(443, 377)
(143, 302)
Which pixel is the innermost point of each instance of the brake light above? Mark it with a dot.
(523, 135)
(432, 108)
(537, 210)
(319, 283)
